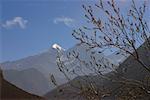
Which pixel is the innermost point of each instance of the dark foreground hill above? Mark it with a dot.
(114, 90)
(9, 91)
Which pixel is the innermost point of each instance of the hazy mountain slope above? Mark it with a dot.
(129, 69)
(9, 91)
(118, 57)
(24, 72)
(45, 63)
(86, 60)
(30, 80)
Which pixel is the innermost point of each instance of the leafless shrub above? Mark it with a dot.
(121, 31)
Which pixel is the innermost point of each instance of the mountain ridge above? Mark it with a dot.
(46, 64)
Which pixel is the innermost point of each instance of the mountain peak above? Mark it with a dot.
(57, 47)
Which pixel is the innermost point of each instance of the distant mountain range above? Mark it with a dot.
(32, 73)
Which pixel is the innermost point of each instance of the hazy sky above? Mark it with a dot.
(32, 26)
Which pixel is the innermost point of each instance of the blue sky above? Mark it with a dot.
(32, 26)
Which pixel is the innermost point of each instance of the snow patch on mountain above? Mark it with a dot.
(57, 47)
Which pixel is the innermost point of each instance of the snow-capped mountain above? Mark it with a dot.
(45, 64)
